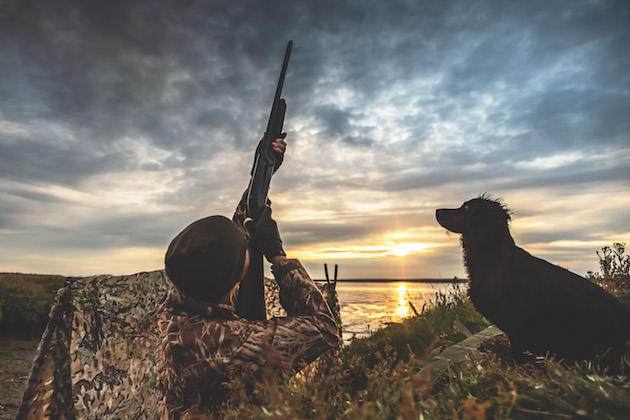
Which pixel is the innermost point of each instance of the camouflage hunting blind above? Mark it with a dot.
(96, 358)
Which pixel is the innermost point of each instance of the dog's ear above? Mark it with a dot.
(487, 217)
(499, 229)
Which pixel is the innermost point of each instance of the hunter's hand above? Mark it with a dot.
(264, 235)
(279, 146)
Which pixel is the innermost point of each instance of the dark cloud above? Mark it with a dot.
(31, 160)
(34, 196)
(577, 175)
(167, 69)
(113, 232)
(338, 123)
(295, 234)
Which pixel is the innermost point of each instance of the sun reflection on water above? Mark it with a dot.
(403, 309)
(369, 306)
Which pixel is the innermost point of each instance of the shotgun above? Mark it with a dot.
(251, 297)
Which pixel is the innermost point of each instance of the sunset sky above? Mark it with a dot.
(121, 122)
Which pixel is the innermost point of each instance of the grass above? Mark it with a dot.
(418, 335)
(546, 388)
(377, 378)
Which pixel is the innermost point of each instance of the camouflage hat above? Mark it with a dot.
(206, 259)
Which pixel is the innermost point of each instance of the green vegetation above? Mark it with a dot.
(378, 375)
(25, 300)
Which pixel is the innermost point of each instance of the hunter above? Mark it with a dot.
(203, 345)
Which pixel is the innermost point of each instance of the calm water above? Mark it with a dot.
(368, 306)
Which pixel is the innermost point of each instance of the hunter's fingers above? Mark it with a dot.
(279, 146)
(247, 222)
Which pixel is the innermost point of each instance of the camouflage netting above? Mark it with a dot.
(96, 358)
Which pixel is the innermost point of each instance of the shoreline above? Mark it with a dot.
(397, 280)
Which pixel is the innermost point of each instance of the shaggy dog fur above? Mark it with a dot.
(541, 307)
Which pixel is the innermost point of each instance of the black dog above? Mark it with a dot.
(541, 307)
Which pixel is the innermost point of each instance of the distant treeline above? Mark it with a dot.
(25, 300)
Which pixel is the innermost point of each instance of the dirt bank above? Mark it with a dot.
(16, 359)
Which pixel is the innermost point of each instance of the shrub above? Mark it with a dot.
(25, 300)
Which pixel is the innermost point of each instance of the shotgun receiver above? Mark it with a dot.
(251, 298)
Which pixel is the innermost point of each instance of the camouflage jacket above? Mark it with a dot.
(202, 347)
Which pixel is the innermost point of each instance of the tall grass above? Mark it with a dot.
(378, 380)
(420, 334)
(378, 377)
(377, 374)
(545, 389)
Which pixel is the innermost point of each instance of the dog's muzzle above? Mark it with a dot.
(450, 219)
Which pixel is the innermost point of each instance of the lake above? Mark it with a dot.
(367, 306)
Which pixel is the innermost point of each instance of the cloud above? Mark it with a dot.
(125, 109)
